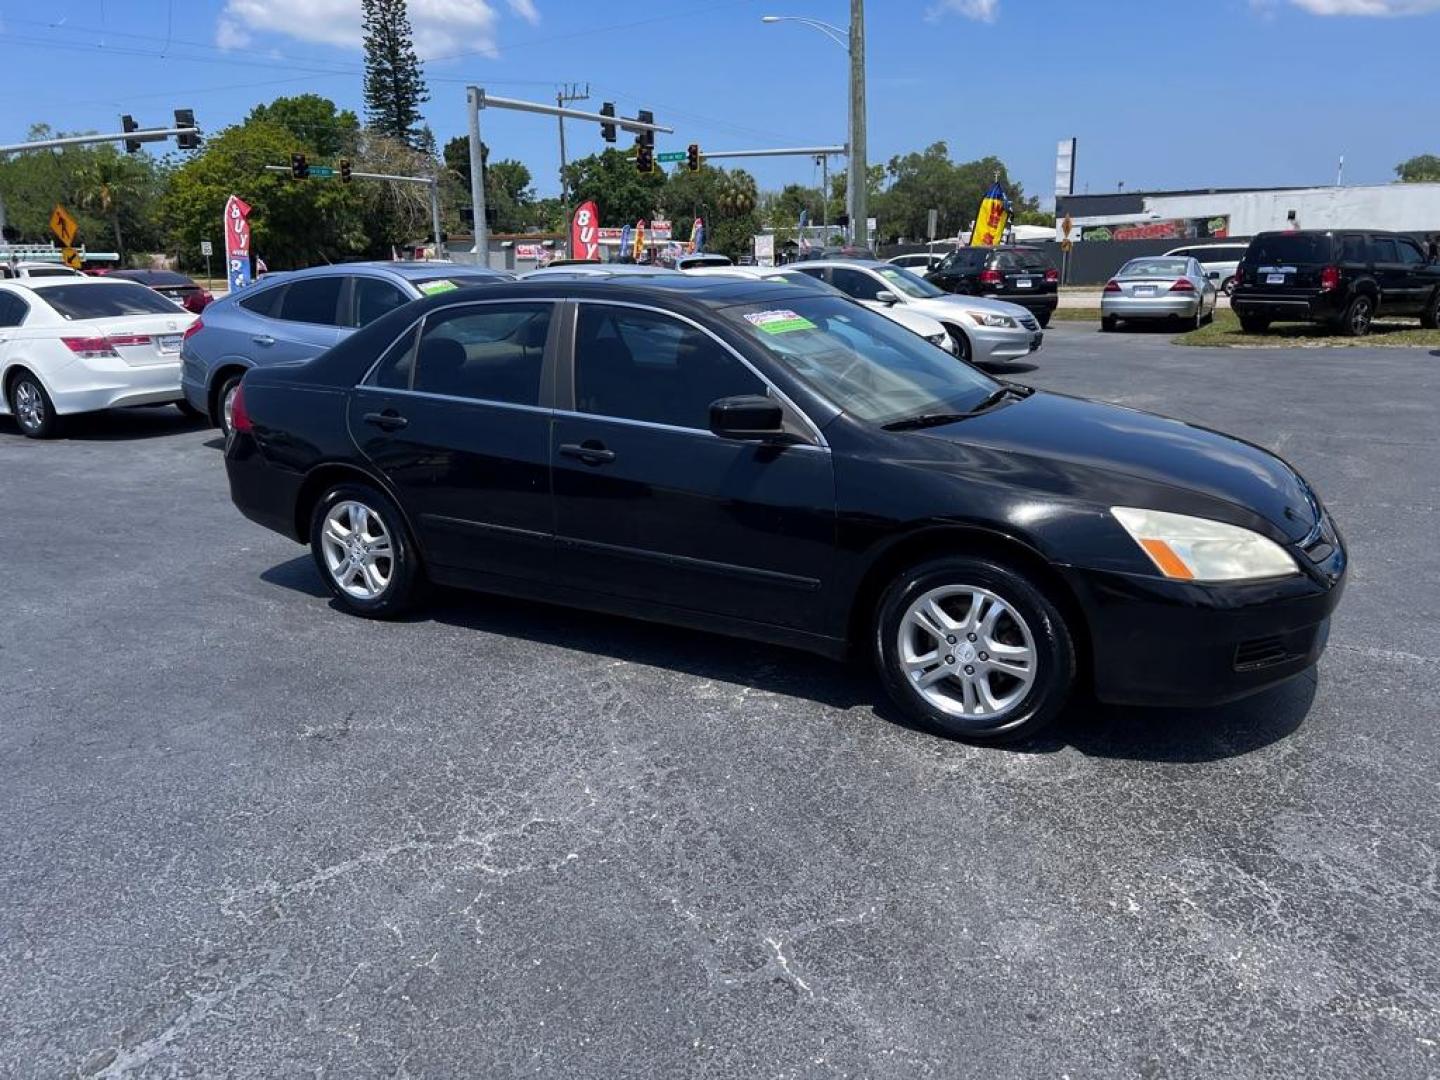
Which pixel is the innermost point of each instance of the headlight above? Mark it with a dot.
(1196, 549)
(989, 318)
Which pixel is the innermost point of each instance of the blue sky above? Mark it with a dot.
(1160, 93)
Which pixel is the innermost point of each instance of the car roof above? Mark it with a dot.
(41, 284)
(151, 277)
(408, 270)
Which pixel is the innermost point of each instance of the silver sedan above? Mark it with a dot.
(1158, 287)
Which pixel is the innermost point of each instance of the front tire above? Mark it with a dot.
(1228, 286)
(363, 552)
(962, 344)
(32, 408)
(970, 648)
(1430, 317)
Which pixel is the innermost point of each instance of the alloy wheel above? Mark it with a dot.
(358, 550)
(1360, 316)
(29, 405)
(227, 406)
(967, 652)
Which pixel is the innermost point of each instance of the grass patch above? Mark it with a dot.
(1225, 330)
(1077, 314)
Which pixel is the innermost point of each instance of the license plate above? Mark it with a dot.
(169, 343)
(1144, 290)
(1024, 283)
(1274, 279)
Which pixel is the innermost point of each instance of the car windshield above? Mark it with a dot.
(97, 300)
(1291, 248)
(804, 281)
(1159, 268)
(908, 282)
(860, 361)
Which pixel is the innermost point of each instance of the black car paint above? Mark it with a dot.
(790, 543)
(1302, 295)
(960, 274)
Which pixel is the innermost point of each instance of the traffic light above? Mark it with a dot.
(644, 159)
(344, 170)
(299, 167)
(692, 157)
(647, 138)
(185, 118)
(132, 146)
(607, 131)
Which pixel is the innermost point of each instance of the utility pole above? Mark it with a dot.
(824, 163)
(858, 202)
(564, 96)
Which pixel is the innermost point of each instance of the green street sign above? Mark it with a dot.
(671, 155)
(322, 171)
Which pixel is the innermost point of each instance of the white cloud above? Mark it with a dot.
(1368, 7)
(979, 10)
(442, 27)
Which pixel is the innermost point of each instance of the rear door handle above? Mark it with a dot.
(263, 339)
(389, 420)
(591, 452)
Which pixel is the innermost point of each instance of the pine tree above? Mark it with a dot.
(394, 86)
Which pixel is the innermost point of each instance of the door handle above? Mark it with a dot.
(389, 420)
(591, 452)
(263, 339)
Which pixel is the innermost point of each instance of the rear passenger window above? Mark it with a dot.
(396, 367)
(374, 298)
(313, 300)
(637, 365)
(12, 309)
(264, 302)
(1352, 248)
(855, 283)
(490, 352)
(1382, 249)
(1410, 253)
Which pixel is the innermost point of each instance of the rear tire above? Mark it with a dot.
(1228, 286)
(190, 412)
(32, 408)
(1430, 316)
(363, 551)
(225, 402)
(1358, 316)
(1254, 324)
(1108, 323)
(1043, 318)
(937, 627)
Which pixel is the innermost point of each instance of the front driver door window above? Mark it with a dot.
(650, 505)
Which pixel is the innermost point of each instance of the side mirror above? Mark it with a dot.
(749, 416)
(885, 296)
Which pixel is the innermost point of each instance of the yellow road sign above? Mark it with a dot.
(1066, 226)
(1066, 245)
(73, 258)
(63, 226)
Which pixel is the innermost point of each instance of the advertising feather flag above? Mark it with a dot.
(627, 236)
(585, 232)
(639, 240)
(697, 236)
(991, 219)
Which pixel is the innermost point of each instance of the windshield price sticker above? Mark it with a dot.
(779, 321)
(430, 288)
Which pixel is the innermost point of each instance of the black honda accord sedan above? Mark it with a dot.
(753, 459)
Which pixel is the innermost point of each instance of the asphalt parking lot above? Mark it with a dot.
(246, 835)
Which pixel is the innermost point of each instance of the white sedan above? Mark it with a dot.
(76, 345)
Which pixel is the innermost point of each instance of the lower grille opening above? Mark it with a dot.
(1259, 653)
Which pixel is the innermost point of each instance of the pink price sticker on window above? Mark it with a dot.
(779, 321)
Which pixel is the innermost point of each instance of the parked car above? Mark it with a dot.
(1158, 287)
(1343, 278)
(932, 330)
(22, 271)
(746, 459)
(297, 315)
(1021, 275)
(77, 344)
(697, 259)
(922, 262)
(985, 331)
(185, 292)
(1219, 261)
(843, 251)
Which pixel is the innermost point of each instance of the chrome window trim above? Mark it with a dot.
(677, 429)
(780, 395)
(431, 395)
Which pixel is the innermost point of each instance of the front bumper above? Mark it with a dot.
(1159, 642)
(993, 343)
(1150, 307)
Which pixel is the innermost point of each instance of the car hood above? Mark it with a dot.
(941, 306)
(1142, 455)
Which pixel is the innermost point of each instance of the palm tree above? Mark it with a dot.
(738, 194)
(103, 184)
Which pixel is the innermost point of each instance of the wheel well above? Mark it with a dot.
(958, 540)
(956, 331)
(16, 370)
(217, 380)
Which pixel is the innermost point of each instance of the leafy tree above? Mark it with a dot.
(457, 157)
(327, 131)
(1035, 217)
(394, 86)
(1421, 169)
(293, 223)
(621, 193)
(104, 183)
(929, 179)
(394, 214)
(737, 196)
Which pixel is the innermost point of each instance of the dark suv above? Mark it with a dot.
(1020, 275)
(1343, 278)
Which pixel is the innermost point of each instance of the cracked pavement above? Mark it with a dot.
(246, 835)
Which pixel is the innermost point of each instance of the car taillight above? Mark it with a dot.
(1329, 278)
(991, 277)
(1239, 275)
(1052, 276)
(1112, 286)
(1182, 285)
(194, 328)
(128, 340)
(89, 348)
(239, 418)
